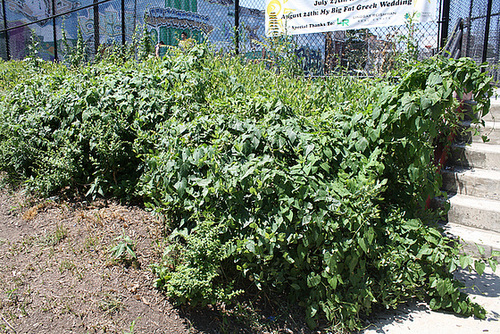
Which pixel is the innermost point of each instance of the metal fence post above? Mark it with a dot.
(487, 31)
(54, 30)
(497, 56)
(123, 22)
(7, 50)
(445, 19)
(237, 26)
(469, 28)
(96, 26)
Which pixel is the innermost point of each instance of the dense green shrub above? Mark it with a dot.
(311, 188)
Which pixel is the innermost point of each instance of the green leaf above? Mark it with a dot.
(412, 224)
(311, 322)
(332, 281)
(181, 186)
(292, 136)
(313, 280)
(442, 288)
(493, 264)
(465, 261)
(453, 266)
(434, 79)
(425, 250)
(370, 235)
(328, 152)
(325, 166)
(361, 144)
(250, 245)
(479, 267)
(309, 149)
(353, 262)
(131, 252)
(434, 305)
(480, 249)
(203, 182)
(248, 172)
(312, 310)
(362, 244)
(301, 252)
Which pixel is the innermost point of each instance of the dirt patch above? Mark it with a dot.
(57, 275)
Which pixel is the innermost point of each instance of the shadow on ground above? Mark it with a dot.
(416, 317)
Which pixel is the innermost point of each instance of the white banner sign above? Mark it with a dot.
(292, 17)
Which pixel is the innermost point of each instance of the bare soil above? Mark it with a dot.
(57, 275)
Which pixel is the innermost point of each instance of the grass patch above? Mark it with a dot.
(55, 237)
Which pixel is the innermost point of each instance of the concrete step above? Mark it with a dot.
(475, 155)
(470, 237)
(490, 129)
(474, 212)
(472, 182)
(494, 114)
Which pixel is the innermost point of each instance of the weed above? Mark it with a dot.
(130, 330)
(34, 48)
(18, 280)
(12, 296)
(123, 249)
(66, 265)
(111, 303)
(54, 238)
(23, 245)
(91, 243)
(75, 55)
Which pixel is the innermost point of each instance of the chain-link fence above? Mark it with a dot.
(230, 26)
(481, 36)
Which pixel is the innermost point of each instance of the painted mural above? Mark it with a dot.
(201, 20)
(166, 20)
(19, 12)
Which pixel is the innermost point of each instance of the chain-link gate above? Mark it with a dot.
(236, 26)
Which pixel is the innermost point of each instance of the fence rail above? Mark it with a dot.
(238, 26)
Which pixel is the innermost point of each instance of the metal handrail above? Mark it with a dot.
(453, 46)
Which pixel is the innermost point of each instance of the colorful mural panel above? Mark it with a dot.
(201, 20)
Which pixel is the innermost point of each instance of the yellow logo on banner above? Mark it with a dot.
(275, 17)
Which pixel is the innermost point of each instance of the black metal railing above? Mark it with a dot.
(453, 47)
(481, 31)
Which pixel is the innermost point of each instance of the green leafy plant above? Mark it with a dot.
(145, 45)
(310, 188)
(33, 49)
(75, 55)
(124, 249)
(131, 328)
(405, 59)
(193, 273)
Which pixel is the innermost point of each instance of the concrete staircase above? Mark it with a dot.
(472, 181)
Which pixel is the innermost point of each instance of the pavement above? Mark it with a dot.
(418, 318)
